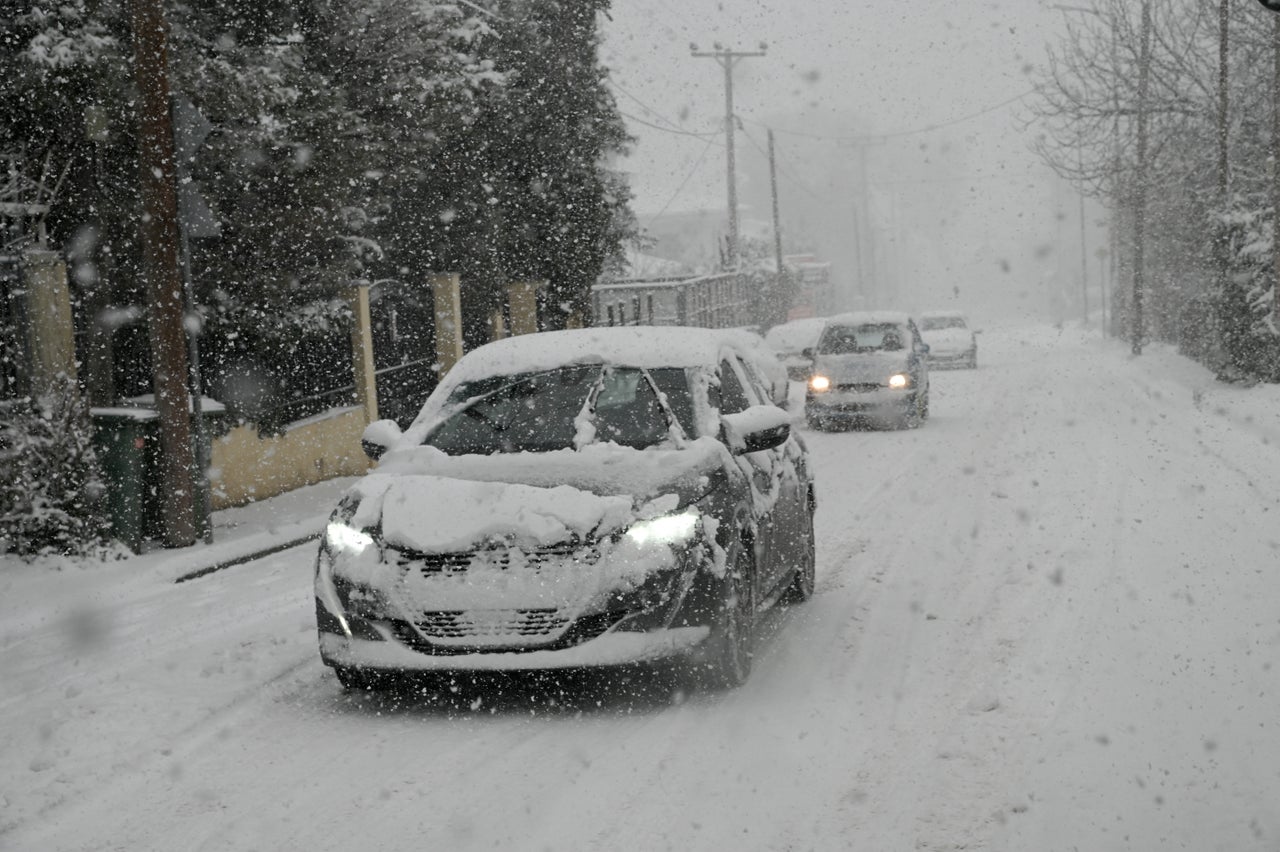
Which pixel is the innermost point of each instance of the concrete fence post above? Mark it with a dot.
(362, 351)
(522, 296)
(50, 336)
(446, 291)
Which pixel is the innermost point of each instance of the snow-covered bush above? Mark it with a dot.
(1245, 319)
(50, 485)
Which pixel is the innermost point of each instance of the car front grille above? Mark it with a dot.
(512, 623)
(503, 631)
(537, 559)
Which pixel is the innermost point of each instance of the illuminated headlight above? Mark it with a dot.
(819, 384)
(899, 380)
(668, 529)
(340, 538)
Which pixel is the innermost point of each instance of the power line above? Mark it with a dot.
(790, 175)
(676, 131)
(697, 164)
(929, 128)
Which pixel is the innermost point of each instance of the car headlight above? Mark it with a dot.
(899, 380)
(347, 540)
(667, 529)
(819, 384)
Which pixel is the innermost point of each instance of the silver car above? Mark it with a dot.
(870, 368)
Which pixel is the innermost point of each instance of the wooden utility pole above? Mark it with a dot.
(161, 270)
(782, 294)
(727, 60)
(1275, 178)
(1140, 193)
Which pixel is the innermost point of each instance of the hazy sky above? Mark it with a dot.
(951, 206)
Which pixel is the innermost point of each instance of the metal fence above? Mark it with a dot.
(726, 300)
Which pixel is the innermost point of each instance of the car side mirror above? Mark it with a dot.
(760, 427)
(922, 348)
(378, 437)
(808, 352)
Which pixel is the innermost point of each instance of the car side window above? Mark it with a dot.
(733, 396)
(756, 381)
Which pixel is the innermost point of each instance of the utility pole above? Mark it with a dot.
(166, 303)
(1140, 202)
(1275, 198)
(867, 280)
(728, 59)
(782, 297)
(1084, 249)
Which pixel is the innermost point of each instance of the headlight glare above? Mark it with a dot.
(820, 383)
(668, 529)
(899, 380)
(341, 538)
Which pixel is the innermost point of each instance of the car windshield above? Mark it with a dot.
(868, 337)
(545, 411)
(939, 323)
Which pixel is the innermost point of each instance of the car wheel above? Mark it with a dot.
(801, 588)
(733, 626)
(924, 407)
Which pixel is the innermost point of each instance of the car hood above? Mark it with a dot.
(861, 366)
(427, 501)
(948, 340)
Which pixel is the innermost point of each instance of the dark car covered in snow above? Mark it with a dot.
(571, 499)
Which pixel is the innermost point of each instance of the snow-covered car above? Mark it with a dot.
(868, 367)
(791, 339)
(569, 499)
(951, 341)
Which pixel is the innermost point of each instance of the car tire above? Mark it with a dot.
(731, 644)
(924, 407)
(801, 587)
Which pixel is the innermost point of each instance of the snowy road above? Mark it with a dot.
(1047, 620)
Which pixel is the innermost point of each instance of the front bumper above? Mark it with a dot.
(952, 358)
(610, 649)
(566, 611)
(851, 404)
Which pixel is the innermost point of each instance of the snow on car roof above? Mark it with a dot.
(796, 334)
(870, 318)
(633, 346)
(942, 315)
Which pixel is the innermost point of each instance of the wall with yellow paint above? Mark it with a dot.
(246, 467)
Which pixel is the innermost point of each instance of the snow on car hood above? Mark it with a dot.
(948, 340)
(861, 366)
(435, 514)
(432, 502)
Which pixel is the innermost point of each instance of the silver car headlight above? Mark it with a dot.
(899, 380)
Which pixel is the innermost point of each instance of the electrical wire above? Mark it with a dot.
(697, 164)
(708, 135)
(791, 176)
(896, 134)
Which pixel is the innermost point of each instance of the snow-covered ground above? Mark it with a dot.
(1047, 620)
